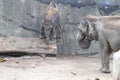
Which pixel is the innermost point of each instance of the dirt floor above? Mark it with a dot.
(52, 68)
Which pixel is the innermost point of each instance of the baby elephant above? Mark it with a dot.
(50, 24)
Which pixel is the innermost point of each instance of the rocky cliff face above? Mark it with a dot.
(22, 18)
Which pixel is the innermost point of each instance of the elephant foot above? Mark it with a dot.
(50, 42)
(47, 42)
(42, 37)
(54, 37)
(103, 70)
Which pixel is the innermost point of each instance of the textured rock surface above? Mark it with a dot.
(22, 18)
(29, 45)
(116, 66)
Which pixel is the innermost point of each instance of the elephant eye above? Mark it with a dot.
(80, 30)
(84, 34)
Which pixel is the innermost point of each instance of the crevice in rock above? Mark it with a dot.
(22, 26)
(73, 3)
(22, 53)
(30, 15)
(71, 23)
(2, 35)
(7, 19)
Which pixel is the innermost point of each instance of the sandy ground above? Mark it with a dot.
(52, 68)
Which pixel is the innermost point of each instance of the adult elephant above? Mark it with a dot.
(105, 30)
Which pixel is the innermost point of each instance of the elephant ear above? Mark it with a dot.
(89, 28)
(91, 31)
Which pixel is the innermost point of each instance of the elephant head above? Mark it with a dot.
(86, 33)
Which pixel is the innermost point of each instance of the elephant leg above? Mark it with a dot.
(42, 33)
(106, 51)
(47, 34)
(51, 35)
(58, 32)
(105, 62)
(54, 32)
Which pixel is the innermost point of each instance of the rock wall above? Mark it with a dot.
(116, 66)
(22, 18)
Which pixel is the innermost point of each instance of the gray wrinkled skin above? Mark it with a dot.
(105, 30)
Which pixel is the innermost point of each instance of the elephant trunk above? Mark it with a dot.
(82, 41)
(84, 44)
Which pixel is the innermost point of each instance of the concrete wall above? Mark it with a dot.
(22, 18)
(116, 66)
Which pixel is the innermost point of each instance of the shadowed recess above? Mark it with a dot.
(21, 53)
(73, 3)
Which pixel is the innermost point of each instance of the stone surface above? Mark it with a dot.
(22, 18)
(29, 45)
(116, 66)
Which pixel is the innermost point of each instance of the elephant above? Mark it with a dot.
(50, 24)
(105, 30)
